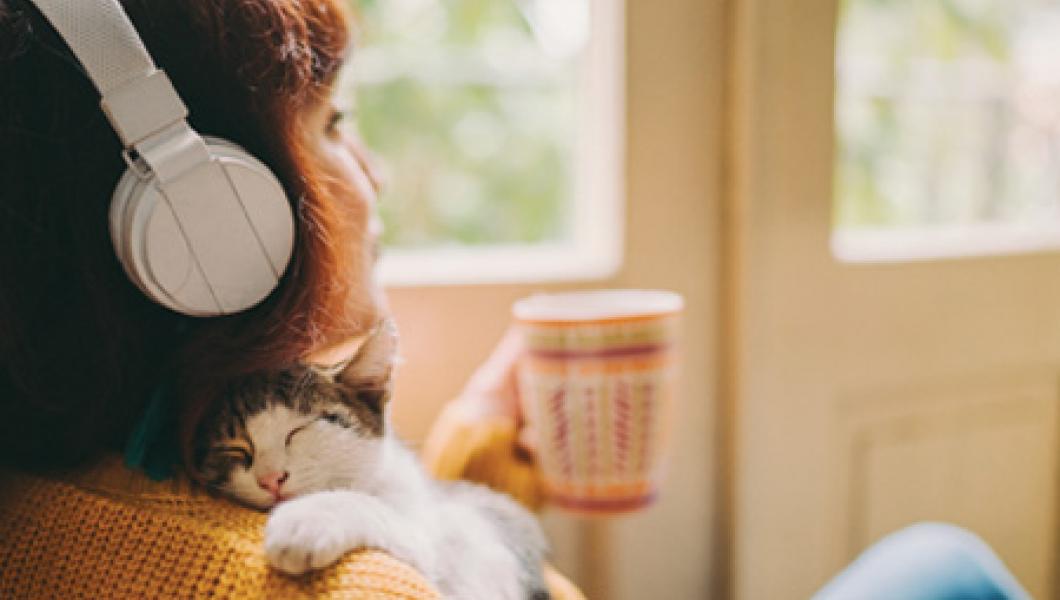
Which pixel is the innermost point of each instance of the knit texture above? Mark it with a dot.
(110, 532)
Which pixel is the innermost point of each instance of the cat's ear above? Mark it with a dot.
(368, 374)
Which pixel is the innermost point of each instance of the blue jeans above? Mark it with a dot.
(928, 561)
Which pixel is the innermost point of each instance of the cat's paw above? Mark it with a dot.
(299, 538)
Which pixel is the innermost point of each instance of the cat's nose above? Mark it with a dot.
(271, 482)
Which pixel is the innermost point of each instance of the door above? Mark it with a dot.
(863, 397)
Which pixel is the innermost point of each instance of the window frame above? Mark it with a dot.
(913, 244)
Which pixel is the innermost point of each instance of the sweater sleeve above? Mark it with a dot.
(482, 450)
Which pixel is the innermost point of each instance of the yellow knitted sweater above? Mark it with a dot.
(109, 532)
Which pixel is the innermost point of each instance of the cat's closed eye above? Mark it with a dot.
(239, 455)
(290, 435)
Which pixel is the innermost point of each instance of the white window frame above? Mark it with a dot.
(912, 244)
(595, 247)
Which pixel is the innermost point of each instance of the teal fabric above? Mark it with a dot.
(152, 446)
(927, 561)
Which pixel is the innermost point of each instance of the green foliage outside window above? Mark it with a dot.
(475, 123)
(947, 112)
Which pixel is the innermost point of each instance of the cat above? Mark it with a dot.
(316, 449)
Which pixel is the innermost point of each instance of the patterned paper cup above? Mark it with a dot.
(597, 381)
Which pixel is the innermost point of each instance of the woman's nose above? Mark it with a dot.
(271, 482)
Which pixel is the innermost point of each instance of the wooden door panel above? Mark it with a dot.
(978, 452)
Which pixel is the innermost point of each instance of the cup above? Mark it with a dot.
(597, 380)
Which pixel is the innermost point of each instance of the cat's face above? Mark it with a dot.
(287, 434)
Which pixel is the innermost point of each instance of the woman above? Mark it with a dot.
(90, 368)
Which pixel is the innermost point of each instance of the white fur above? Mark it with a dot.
(481, 569)
(314, 531)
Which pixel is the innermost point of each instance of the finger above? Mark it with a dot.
(505, 354)
(496, 375)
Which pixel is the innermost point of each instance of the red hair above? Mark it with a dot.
(81, 349)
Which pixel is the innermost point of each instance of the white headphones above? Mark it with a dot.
(200, 225)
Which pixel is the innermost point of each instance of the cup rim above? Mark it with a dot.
(586, 306)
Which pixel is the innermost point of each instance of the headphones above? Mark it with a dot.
(199, 225)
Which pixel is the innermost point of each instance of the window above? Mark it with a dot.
(948, 125)
(499, 123)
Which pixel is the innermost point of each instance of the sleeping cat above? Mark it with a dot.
(316, 449)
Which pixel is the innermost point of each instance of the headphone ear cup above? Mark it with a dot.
(130, 187)
(200, 249)
(263, 198)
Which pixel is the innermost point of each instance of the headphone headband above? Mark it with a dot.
(103, 39)
(137, 98)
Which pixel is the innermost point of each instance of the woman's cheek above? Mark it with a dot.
(353, 179)
(351, 191)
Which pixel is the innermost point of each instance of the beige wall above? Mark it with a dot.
(675, 76)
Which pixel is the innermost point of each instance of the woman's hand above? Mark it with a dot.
(493, 390)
